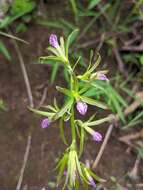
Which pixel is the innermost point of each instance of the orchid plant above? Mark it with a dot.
(70, 167)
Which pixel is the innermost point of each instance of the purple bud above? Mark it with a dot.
(91, 181)
(65, 173)
(45, 123)
(53, 40)
(96, 136)
(81, 107)
(102, 76)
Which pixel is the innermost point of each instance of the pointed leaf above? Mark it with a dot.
(64, 91)
(62, 131)
(64, 109)
(44, 113)
(93, 3)
(70, 39)
(93, 102)
(4, 51)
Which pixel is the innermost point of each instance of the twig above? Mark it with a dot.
(134, 172)
(43, 97)
(133, 48)
(24, 72)
(130, 42)
(30, 98)
(138, 185)
(107, 136)
(24, 163)
(114, 120)
(132, 136)
(102, 38)
(135, 104)
(87, 44)
(120, 62)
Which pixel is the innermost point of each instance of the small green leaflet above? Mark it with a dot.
(5, 51)
(93, 3)
(93, 102)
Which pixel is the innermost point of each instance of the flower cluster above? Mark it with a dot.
(69, 166)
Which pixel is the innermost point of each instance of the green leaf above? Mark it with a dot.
(136, 120)
(70, 39)
(62, 45)
(67, 25)
(88, 129)
(13, 37)
(93, 102)
(49, 58)
(99, 121)
(54, 72)
(53, 50)
(62, 131)
(66, 75)
(82, 136)
(93, 3)
(43, 113)
(61, 166)
(74, 7)
(98, 60)
(78, 164)
(117, 106)
(22, 6)
(90, 69)
(52, 24)
(140, 152)
(2, 105)
(64, 91)
(64, 109)
(97, 178)
(141, 59)
(117, 96)
(5, 51)
(71, 167)
(5, 22)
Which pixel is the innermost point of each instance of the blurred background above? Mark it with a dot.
(114, 28)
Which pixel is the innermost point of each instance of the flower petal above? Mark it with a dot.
(82, 107)
(45, 123)
(102, 76)
(53, 40)
(97, 136)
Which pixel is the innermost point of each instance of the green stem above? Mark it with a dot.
(72, 125)
(72, 114)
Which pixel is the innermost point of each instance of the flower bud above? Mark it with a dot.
(91, 181)
(81, 107)
(96, 136)
(102, 76)
(45, 123)
(53, 40)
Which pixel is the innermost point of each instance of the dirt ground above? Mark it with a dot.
(46, 146)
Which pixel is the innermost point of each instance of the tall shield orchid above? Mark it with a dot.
(70, 167)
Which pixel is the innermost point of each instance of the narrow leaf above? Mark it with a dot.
(93, 102)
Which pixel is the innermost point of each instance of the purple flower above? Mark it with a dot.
(91, 181)
(102, 76)
(96, 136)
(81, 107)
(45, 123)
(65, 173)
(53, 40)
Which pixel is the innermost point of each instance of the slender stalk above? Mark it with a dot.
(72, 125)
(72, 113)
